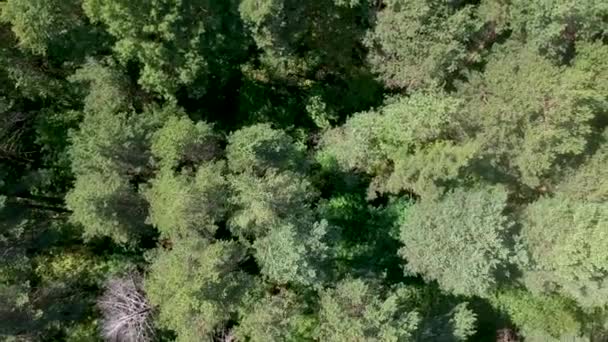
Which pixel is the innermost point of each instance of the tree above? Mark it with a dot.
(588, 182)
(461, 241)
(119, 142)
(197, 286)
(263, 202)
(553, 27)
(258, 148)
(294, 254)
(408, 144)
(17, 312)
(37, 24)
(298, 39)
(108, 88)
(354, 312)
(176, 43)
(274, 317)
(182, 204)
(106, 205)
(181, 141)
(127, 316)
(419, 43)
(564, 238)
(110, 156)
(274, 211)
(540, 317)
(529, 116)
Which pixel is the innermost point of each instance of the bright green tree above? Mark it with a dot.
(197, 287)
(274, 317)
(107, 205)
(182, 204)
(461, 241)
(588, 182)
(408, 144)
(294, 254)
(111, 157)
(108, 87)
(37, 24)
(354, 311)
(181, 141)
(262, 202)
(565, 239)
(540, 317)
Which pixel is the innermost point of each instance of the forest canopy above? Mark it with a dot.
(318, 170)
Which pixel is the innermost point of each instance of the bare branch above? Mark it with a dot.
(126, 313)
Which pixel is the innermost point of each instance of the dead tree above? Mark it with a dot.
(127, 316)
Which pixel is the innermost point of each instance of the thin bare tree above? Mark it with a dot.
(127, 316)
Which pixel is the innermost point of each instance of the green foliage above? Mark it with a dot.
(275, 211)
(182, 141)
(277, 317)
(197, 287)
(298, 38)
(108, 88)
(38, 23)
(565, 240)
(262, 202)
(173, 41)
(259, 147)
(368, 236)
(406, 144)
(291, 254)
(110, 155)
(461, 241)
(419, 43)
(354, 312)
(555, 26)
(107, 205)
(589, 182)
(181, 204)
(113, 143)
(553, 316)
(16, 306)
(272, 166)
(529, 116)
(590, 60)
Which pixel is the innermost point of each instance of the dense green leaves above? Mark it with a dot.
(327, 170)
(420, 43)
(407, 144)
(554, 27)
(461, 241)
(544, 115)
(197, 286)
(258, 148)
(180, 141)
(37, 24)
(174, 41)
(107, 205)
(274, 317)
(353, 312)
(565, 239)
(540, 317)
